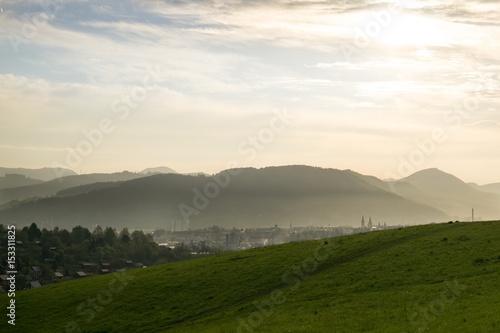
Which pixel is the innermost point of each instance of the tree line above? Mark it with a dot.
(64, 251)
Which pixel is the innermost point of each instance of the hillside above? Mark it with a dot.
(44, 174)
(456, 198)
(432, 278)
(52, 187)
(157, 170)
(252, 197)
(15, 180)
(494, 188)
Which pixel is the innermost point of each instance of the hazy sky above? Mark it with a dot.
(383, 88)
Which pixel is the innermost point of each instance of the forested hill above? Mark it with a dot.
(300, 195)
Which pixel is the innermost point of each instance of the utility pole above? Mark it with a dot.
(472, 214)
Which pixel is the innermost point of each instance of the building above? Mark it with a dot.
(57, 276)
(35, 272)
(87, 267)
(363, 222)
(370, 224)
(79, 274)
(34, 284)
(233, 241)
(4, 281)
(105, 268)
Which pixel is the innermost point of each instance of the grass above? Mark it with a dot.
(433, 278)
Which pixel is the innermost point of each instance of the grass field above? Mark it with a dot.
(433, 278)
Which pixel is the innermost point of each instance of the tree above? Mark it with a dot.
(124, 236)
(79, 234)
(110, 236)
(97, 237)
(33, 232)
(138, 237)
(98, 232)
(65, 237)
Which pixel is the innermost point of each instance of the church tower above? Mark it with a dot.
(363, 222)
(370, 224)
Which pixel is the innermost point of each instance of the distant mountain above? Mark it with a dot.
(455, 197)
(167, 170)
(249, 197)
(13, 180)
(45, 174)
(493, 188)
(87, 188)
(196, 174)
(158, 170)
(52, 187)
(436, 181)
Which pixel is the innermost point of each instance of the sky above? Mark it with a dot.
(385, 88)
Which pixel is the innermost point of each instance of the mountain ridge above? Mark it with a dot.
(251, 197)
(301, 195)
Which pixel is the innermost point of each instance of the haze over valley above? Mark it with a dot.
(242, 198)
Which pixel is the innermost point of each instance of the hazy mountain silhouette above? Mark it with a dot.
(52, 187)
(158, 170)
(449, 193)
(167, 170)
(493, 188)
(15, 180)
(300, 195)
(45, 174)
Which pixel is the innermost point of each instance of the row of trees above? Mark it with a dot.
(64, 251)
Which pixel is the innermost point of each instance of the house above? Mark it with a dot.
(87, 266)
(34, 284)
(105, 268)
(57, 276)
(79, 274)
(4, 282)
(35, 272)
(129, 263)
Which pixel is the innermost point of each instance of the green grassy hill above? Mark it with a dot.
(433, 278)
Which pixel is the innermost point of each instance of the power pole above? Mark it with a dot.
(472, 214)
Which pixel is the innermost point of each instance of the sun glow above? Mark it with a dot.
(414, 30)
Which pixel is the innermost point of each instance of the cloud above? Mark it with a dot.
(226, 64)
(39, 149)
